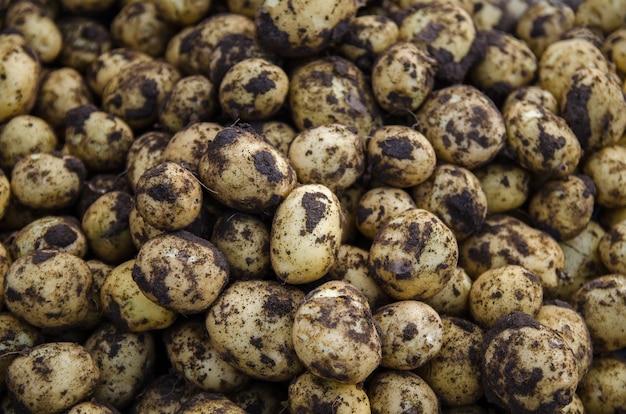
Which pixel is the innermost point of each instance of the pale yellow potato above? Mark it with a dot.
(392, 391)
(50, 232)
(23, 135)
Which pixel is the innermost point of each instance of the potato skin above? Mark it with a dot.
(392, 391)
(310, 394)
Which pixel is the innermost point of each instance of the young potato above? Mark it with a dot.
(99, 139)
(125, 361)
(606, 169)
(84, 39)
(15, 337)
(145, 152)
(543, 23)
(302, 28)
(397, 391)
(601, 14)
(95, 316)
(188, 145)
(108, 64)
(52, 377)
(140, 230)
(454, 195)
(244, 172)
(379, 205)
(411, 333)
(504, 289)
(343, 88)
(612, 248)
(51, 232)
(245, 241)
(168, 196)
(330, 154)
(5, 193)
(260, 397)
(563, 207)
(505, 240)
(505, 185)
(413, 255)
(96, 186)
(88, 7)
(526, 366)
(181, 272)
(614, 48)
(127, 307)
(183, 13)
(106, 227)
(163, 394)
(601, 303)
(192, 99)
(253, 89)
(48, 289)
(453, 299)
(23, 135)
(31, 21)
(5, 264)
(349, 201)
(278, 133)
(305, 234)
(400, 156)
(454, 373)
(310, 394)
(603, 388)
(92, 407)
(195, 359)
(403, 76)
(204, 402)
(463, 125)
(251, 325)
(535, 94)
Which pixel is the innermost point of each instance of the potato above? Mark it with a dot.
(612, 248)
(526, 366)
(335, 335)
(52, 377)
(505, 240)
(164, 394)
(260, 397)
(84, 39)
(89, 7)
(145, 152)
(168, 196)
(310, 394)
(603, 389)
(192, 99)
(181, 272)
(454, 195)
(535, 94)
(23, 135)
(343, 88)
(601, 14)
(349, 200)
(50, 232)
(108, 64)
(99, 272)
(188, 145)
(396, 391)
(330, 154)
(15, 337)
(279, 134)
(463, 125)
(21, 68)
(614, 48)
(127, 307)
(183, 13)
(505, 185)
(92, 407)
(601, 303)
(207, 402)
(246, 173)
(48, 289)
(543, 23)
(251, 325)
(302, 28)
(379, 205)
(305, 234)
(98, 185)
(125, 361)
(400, 156)
(606, 169)
(454, 373)
(5, 193)
(413, 255)
(43, 35)
(452, 300)
(411, 333)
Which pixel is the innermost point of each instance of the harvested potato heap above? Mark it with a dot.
(312, 206)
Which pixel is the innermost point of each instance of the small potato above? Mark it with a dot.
(84, 39)
(400, 391)
(99, 272)
(50, 232)
(127, 307)
(209, 403)
(245, 241)
(505, 240)
(526, 366)
(403, 76)
(145, 152)
(305, 234)
(561, 317)
(92, 407)
(15, 337)
(601, 303)
(614, 48)
(400, 156)
(245, 172)
(192, 355)
(125, 361)
(48, 289)
(607, 169)
(413, 255)
(164, 394)
(505, 185)
(612, 248)
(31, 21)
(379, 205)
(106, 227)
(502, 290)
(454, 195)
(563, 207)
(183, 13)
(601, 14)
(411, 333)
(454, 373)
(278, 133)
(251, 325)
(168, 196)
(541, 141)
(310, 394)
(188, 145)
(108, 64)
(343, 88)
(253, 89)
(463, 125)
(52, 377)
(140, 230)
(21, 68)
(330, 154)
(335, 335)
(302, 28)
(181, 272)
(543, 23)
(96, 186)
(260, 397)
(192, 99)
(349, 201)
(5, 193)
(453, 299)
(534, 94)
(603, 388)
(23, 135)
(88, 7)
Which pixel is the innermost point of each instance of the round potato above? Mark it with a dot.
(606, 167)
(145, 152)
(603, 388)
(453, 299)
(379, 205)
(15, 337)
(50, 232)
(205, 402)
(396, 391)
(23, 135)
(310, 394)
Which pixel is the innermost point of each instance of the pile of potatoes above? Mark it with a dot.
(313, 206)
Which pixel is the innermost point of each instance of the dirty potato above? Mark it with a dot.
(396, 391)
(50, 232)
(379, 205)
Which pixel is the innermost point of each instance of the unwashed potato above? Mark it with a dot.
(397, 391)
(188, 145)
(31, 21)
(92, 407)
(192, 99)
(145, 152)
(84, 39)
(379, 205)
(204, 402)
(453, 298)
(50, 232)
(606, 169)
(505, 185)
(612, 248)
(23, 135)
(164, 394)
(603, 389)
(15, 337)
